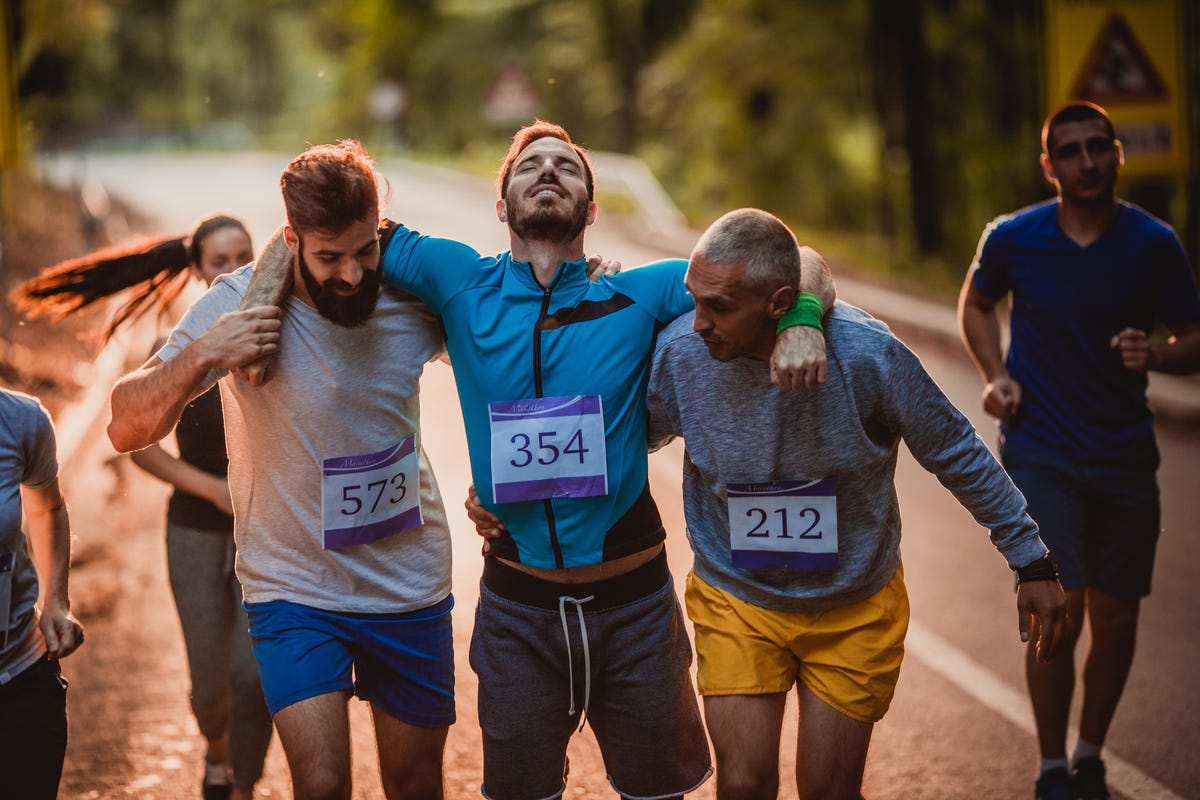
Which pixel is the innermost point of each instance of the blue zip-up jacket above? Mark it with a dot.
(509, 339)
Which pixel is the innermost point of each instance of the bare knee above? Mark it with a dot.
(414, 787)
(746, 782)
(1107, 609)
(321, 783)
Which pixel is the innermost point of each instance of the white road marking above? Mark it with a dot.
(972, 678)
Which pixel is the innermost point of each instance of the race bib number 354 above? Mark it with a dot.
(548, 447)
(370, 497)
(783, 524)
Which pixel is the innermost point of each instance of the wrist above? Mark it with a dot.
(1000, 373)
(1043, 569)
(1153, 359)
(807, 310)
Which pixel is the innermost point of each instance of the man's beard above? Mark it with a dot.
(349, 311)
(546, 223)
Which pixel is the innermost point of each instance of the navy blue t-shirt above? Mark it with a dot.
(1067, 303)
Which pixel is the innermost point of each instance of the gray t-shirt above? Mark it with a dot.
(740, 429)
(317, 436)
(27, 457)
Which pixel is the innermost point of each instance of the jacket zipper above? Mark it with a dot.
(537, 385)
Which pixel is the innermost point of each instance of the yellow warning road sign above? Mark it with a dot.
(1128, 57)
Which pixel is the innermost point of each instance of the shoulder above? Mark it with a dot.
(399, 243)
(26, 429)
(656, 288)
(1141, 222)
(679, 350)
(1023, 221)
(654, 276)
(399, 308)
(231, 284)
(24, 409)
(855, 339)
(677, 331)
(852, 319)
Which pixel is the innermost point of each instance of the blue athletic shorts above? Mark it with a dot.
(402, 663)
(1101, 521)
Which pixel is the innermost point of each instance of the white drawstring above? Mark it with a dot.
(587, 656)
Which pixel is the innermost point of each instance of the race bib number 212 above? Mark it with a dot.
(783, 524)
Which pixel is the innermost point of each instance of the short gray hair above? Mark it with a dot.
(757, 239)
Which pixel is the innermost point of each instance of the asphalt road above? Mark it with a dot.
(959, 727)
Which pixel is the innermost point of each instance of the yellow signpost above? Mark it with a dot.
(1127, 57)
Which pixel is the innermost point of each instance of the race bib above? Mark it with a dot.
(370, 497)
(548, 447)
(783, 524)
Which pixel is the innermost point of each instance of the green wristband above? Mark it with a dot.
(807, 311)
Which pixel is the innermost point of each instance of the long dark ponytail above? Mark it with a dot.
(154, 272)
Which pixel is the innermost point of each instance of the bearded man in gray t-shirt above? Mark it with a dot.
(343, 550)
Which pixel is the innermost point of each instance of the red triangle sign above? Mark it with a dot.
(1117, 69)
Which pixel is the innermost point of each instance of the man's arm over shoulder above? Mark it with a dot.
(146, 404)
(433, 269)
(272, 281)
(799, 362)
(815, 277)
(657, 287)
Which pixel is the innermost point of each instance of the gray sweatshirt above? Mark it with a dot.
(740, 429)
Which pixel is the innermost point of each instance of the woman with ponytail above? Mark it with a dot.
(226, 694)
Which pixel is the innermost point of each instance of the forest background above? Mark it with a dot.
(887, 132)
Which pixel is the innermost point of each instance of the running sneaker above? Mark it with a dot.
(1087, 779)
(1054, 784)
(216, 782)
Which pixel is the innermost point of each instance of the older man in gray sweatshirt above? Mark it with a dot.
(792, 513)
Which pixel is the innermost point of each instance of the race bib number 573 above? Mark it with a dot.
(370, 497)
(548, 447)
(783, 524)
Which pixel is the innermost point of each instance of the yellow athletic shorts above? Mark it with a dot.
(849, 657)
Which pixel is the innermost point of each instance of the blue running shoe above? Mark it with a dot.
(1087, 779)
(1054, 784)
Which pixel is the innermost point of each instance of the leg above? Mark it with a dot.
(745, 731)
(307, 674)
(33, 732)
(1123, 529)
(315, 734)
(1056, 491)
(250, 726)
(196, 569)
(831, 751)
(1052, 683)
(643, 707)
(1113, 625)
(525, 733)
(410, 758)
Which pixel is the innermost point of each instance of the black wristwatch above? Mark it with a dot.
(1044, 569)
